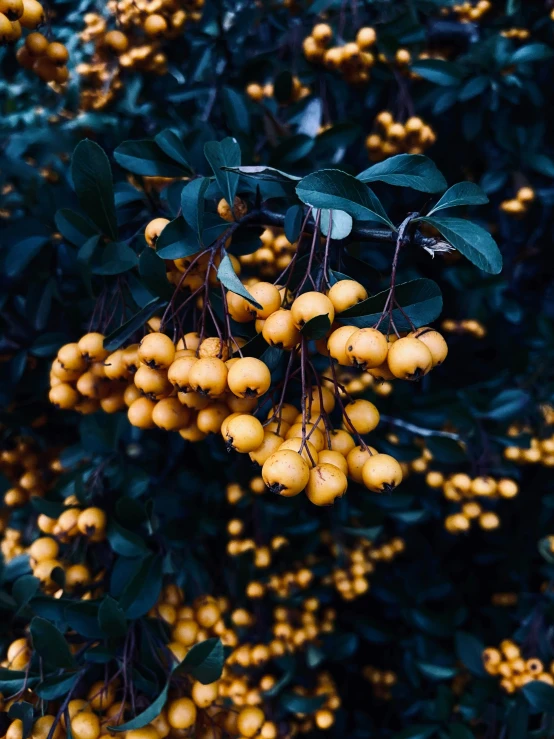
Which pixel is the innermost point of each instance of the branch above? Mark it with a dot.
(418, 429)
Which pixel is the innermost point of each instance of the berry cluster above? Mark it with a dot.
(468, 12)
(519, 205)
(352, 60)
(465, 326)
(382, 681)
(272, 257)
(514, 671)
(392, 137)
(29, 470)
(539, 450)
(258, 92)
(519, 34)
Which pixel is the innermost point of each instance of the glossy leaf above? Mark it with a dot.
(74, 227)
(228, 277)
(331, 188)
(341, 223)
(146, 158)
(172, 146)
(111, 618)
(177, 240)
(50, 644)
(148, 715)
(406, 170)
(471, 240)
(118, 337)
(224, 154)
(204, 661)
(92, 179)
(192, 204)
(24, 712)
(464, 193)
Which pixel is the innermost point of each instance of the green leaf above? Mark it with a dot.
(74, 227)
(406, 170)
(24, 240)
(332, 188)
(192, 204)
(293, 222)
(92, 179)
(144, 718)
(143, 590)
(204, 661)
(50, 644)
(118, 337)
(228, 277)
(518, 719)
(534, 52)
(437, 672)
(153, 273)
(111, 618)
(540, 696)
(146, 158)
(341, 223)
(177, 240)
(464, 193)
(24, 712)
(507, 404)
(421, 301)
(469, 650)
(316, 328)
(263, 173)
(224, 154)
(236, 111)
(125, 542)
(56, 687)
(25, 588)
(115, 259)
(471, 240)
(12, 681)
(302, 704)
(440, 72)
(172, 146)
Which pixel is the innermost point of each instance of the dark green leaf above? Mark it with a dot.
(406, 170)
(177, 240)
(471, 240)
(507, 404)
(144, 718)
(115, 259)
(293, 222)
(224, 154)
(534, 52)
(147, 159)
(464, 193)
(142, 592)
(118, 337)
(74, 227)
(302, 704)
(192, 204)
(266, 174)
(47, 345)
(438, 71)
(236, 111)
(56, 687)
(111, 618)
(50, 644)
(25, 588)
(228, 277)
(92, 179)
(437, 672)
(204, 661)
(125, 542)
(171, 144)
(316, 328)
(540, 696)
(153, 273)
(12, 681)
(24, 712)
(331, 188)
(421, 301)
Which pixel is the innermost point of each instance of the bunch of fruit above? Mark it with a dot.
(29, 470)
(519, 205)
(382, 681)
(539, 451)
(352, 60)
(272, 257)
(467, 12)
(461, 488)
(513, 670)
(465, 326)
(392, 137)
(519, 34)
(258, 92)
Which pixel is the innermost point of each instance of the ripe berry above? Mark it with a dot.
(170, 415)
(179, 372)
(307, 450)
(213, 347)
(268, 296)
(285, 473)
(153, 230)
(360, 416)
(249, 378)
(155, 25)
(279, 330)
(204, 695)
(327, 482)
(434, 342)
(90, 345)
(250, 721)
(57, 53)
(208, 376)
(309, 305)
(315, 436)
(341, 441)
(356, 459)
(209, 419)
(85, 725)
(327, 456)
(367, 348)
(92, 523)
(181, 713)
(63, 396)
(244, 433)
(152, 382)
(70, 358)
(409, 359)
(140, 413)
(337, 344)
(156, 350)
(12, 9)
(381, 473)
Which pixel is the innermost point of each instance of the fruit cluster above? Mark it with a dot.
(519, 34)
(352, 60)
(392, 137)
(461, 488)
(272, 257)
(514, 671)
(29, 470)
(258, 92)
(465, 326)
(519, 205)
(539, 451)
(382, 681)
(468, 12)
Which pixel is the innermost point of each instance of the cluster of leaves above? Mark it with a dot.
(71, 234)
